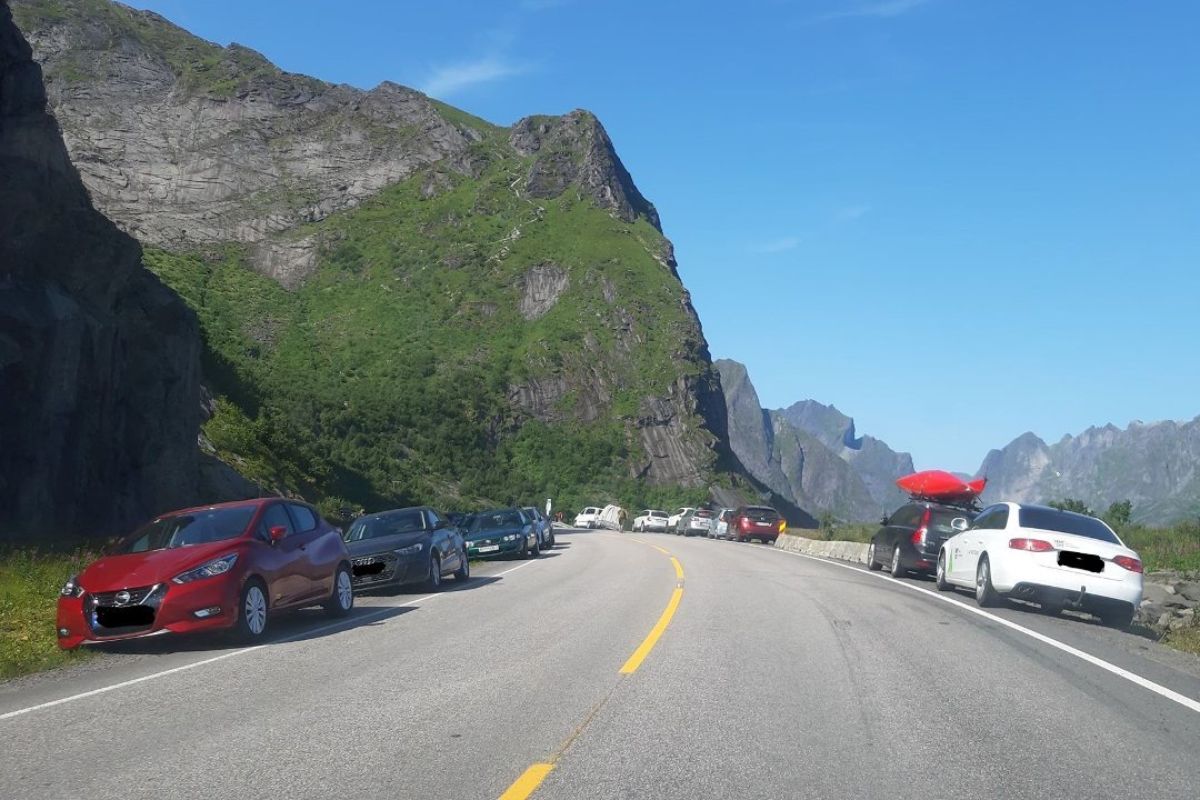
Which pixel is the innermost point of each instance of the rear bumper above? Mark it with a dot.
(1084, 601)
(1009, 573)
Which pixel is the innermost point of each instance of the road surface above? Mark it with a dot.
(598, 672)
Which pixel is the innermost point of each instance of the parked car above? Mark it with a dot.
(406, 546)
(695, 522)
(673, 520)
(228, 566)
(720, 526)
(545, 529)
(1058, 559)
(756, 522)
(912, 536)
(587, 518)
(502, 531)
(651, 520)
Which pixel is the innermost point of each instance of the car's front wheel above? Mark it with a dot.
(939, 580)
(341, 601)
(534, 551)
(253, 612)
(463, 573)
(434, 581)
(872, 564)
(985, 593)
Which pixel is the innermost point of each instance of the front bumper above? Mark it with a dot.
(377, 570)
(80, 621)
(475, 549)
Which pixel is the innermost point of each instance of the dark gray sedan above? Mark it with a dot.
(405, 546)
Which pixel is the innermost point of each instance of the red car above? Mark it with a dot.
(756, 522)
(217, 567)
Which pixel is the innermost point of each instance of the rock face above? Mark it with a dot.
(98, 360)
(1155, 466)
(788, 459)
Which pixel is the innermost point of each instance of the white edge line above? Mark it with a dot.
(243, 651)
(1120, 672)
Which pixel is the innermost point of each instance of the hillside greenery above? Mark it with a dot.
(386, 378)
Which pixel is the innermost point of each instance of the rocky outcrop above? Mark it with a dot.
(1155, 466)
(98, 360)
(1170, 601)
(183, 142)
(574, 150)
(541, 287)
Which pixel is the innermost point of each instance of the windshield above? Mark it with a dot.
(386, 525)
(659, 514)
(1049, 519)
(181, 530)
(940, 519)
(495, 520)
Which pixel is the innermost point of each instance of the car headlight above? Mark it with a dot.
(218, 566)
(512, 537)
(411, 550)
(71, 588)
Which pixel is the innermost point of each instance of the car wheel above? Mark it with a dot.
(341, 601)
(463, 573)
(1120, 619)
(550, 544)
(897, 569)
(872, 564)
(434, 582)
(985, 593)
(253, 612)
(534, 551)
(939, 578)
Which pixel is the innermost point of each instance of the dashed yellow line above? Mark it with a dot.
(528, 783)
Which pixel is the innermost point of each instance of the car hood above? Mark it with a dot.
(381, 544)
(132, 570)
(494, 533)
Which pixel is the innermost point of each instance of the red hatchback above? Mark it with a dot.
(224, 566)
(756, 522)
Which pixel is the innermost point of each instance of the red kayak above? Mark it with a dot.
(937, 484)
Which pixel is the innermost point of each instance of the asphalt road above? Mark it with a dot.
(777, 676)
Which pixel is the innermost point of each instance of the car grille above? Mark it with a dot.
(123, 611)
(374, 569)
(109, 599)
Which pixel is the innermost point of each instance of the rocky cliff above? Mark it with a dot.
(399, 300)
(1155, 466)
(100, 406)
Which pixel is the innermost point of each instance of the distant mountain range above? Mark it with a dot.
(1155, 466)
(811, 453)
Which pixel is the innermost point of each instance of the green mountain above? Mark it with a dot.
(399, 302)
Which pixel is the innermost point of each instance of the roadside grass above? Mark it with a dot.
(1185, 639)
(1175, 548)
(29, 584)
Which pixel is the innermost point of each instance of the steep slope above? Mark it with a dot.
(876, 463)
(100, 405)
(399, 301)
(788, 460)
(1156, 466)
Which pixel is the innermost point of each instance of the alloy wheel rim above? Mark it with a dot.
(435, 572)
(981, 578)
(345, 591)
(896, 560)
(871, 553)
(256, 610)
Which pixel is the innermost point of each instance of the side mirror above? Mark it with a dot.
(960, 524)
(278, 533)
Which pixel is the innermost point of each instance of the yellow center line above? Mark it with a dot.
(532, 778)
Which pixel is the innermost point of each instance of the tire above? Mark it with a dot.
(253, 612)
(939, 578)
(534, 551)
(434, 582)
(463, 573)
(1120, 619)
(341, 599)
(985, 593)
(897, 569)
(550, 544)
(872, 564)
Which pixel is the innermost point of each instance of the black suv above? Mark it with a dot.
(911, 537)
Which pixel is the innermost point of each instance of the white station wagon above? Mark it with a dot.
(1058, 559)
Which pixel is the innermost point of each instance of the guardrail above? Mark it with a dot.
(845, 551)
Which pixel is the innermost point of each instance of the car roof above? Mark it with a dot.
(254, 502)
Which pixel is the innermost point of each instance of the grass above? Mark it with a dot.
(29, 584)
(1185, 639)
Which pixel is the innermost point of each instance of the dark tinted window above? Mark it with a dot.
(940, 519)
(305, 519)
(907, 517)
(992, 519)
(277, 516)
(1050, 519)
(493, 520)
(761, 513)
(406, 521)
(433, 517)
(197, 527)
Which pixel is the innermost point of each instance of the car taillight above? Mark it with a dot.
(1032, 545)
(918, 537)
(744, 523)
(1131, 564)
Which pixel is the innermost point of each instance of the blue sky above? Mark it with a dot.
(956, 220)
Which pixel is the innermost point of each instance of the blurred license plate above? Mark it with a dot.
(1087, 561)
(491, 548)
(763, 524)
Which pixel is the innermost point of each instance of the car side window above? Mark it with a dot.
(1001, 518)
(992, 519)
(431, 518)
(906, 517)
(276, 516)
(305, 519)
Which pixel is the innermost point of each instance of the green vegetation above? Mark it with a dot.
(386, 378)
(1174, 547)
(29, 584)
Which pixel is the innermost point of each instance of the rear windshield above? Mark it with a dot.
(1049, 519)
(181, 530)
(386, 525)
(940, 519)
(762, 514)
(494, 520)
(662, 514)
(704, 512)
